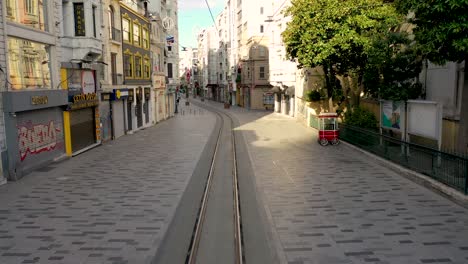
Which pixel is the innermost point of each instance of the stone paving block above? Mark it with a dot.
(111, 204)
(340, 193)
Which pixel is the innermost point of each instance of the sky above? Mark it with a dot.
(193, 16)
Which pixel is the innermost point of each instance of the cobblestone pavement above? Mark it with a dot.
(333, 205)
(111, 204)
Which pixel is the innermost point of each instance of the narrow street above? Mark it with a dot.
(131, 200)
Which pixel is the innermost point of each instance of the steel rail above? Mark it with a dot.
(193, 250)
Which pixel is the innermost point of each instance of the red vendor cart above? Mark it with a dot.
(328, 129)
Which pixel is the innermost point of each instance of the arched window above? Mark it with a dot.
(112, 31)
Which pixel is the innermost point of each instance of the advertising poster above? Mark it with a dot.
(392, 114)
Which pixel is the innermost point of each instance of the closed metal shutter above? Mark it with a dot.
(118, 117)
(83, 128)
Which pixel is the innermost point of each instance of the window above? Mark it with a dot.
(146, 43)
(169, 48)
(28, 64)
(169, 71)
(262, 72)
(30, 13)
(261, 28)
(128, 64)
(220, 76)
(136, 34)
(261, 52)
(159, 63)
(126, 29)
(268, 99)
(111, 22)
(80, 29)
(138, 67)
(261, 10)
(94, 21)
(146, 68)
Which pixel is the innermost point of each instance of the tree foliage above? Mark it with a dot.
(338, 35)
(441, 27)
(393, 68)
(337, 32)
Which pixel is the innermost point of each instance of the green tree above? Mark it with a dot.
(338, 35)
(441, 33)
(441, 27)
(393, 68)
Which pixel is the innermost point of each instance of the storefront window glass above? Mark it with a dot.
(28, 64)
(30, 13)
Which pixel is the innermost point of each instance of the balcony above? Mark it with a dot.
(116, 34)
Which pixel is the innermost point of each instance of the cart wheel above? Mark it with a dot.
(323, 142)
(335, 141)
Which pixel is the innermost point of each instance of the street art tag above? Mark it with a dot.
(34, 139)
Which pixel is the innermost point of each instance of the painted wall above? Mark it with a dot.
(39, 139)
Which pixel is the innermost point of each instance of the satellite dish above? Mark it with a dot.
(168, 23)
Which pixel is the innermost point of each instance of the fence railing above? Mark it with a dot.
(446, 168)
(116, 34)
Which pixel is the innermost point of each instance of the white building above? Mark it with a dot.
(282, 71)
(172, 35)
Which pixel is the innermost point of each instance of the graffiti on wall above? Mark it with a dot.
(36, 138)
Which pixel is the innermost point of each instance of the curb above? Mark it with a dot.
(423, 180)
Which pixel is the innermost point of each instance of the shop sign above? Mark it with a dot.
(80, 101)
(131, 95)
(85, 65)
(39, 100)
(79, 15)
(105, 96)
(119, 94)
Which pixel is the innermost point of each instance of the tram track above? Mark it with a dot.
(200, 224)
(220, 217)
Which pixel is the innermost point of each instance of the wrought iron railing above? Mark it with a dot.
(449, 169)
(116, 34)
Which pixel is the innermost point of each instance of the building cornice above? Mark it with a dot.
(129, 9)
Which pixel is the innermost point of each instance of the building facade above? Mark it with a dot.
(80, 70)
(282, 71)
(114, 96)
(32, 94)
(158, 51)
(136, 67)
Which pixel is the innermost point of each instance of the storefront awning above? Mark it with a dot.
(290, 90)
(275, 89)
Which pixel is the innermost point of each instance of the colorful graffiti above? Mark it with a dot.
(34, 139)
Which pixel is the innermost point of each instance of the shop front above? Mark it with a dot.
(159, 108)
(147, 105)
(118, 108)
(34, 130)
(82, 123)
